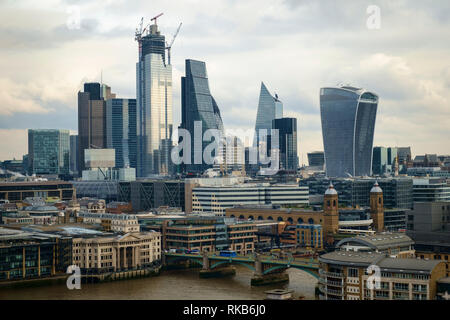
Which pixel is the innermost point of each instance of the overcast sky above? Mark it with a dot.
(295, 47)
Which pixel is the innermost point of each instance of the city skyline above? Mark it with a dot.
(410, 83)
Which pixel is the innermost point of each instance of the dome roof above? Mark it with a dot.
(331, 190)
(376, 188)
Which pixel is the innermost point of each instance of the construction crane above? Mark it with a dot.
(156, 17)
(169, 46)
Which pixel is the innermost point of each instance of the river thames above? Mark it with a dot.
(170, 285)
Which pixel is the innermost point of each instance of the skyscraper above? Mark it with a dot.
(73, 154)
(269, 108)
(348, 122)
(121, 131)
(91, 119)
(287, 135)
(316, 159)
(153, 104)
(197, 104)
(48, 151)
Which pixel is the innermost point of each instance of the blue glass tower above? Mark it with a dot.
(348, 123)
(269, 108)
(197, 104)
(48, 151)
(121, 131)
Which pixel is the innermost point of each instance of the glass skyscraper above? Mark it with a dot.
(121, 131)
(348, 123)
(269, 108)
(287, 135)
(153, 105)
(197, 104)
(48, 151)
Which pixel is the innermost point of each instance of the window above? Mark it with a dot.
(352, 272)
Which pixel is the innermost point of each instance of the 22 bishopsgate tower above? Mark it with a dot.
(348, 123)
(153, 104)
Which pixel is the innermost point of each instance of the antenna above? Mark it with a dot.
(169, 46)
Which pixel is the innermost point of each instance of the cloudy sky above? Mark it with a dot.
(294, 46)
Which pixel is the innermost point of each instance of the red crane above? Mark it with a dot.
(154, 18)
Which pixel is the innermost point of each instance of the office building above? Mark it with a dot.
(430, 216)
(344, 276)
(30, 255)
(397, 191)
(269, 108)
(198, 107)
(121, 131)
(112, 253)
(380, 160)
(309, 236)
(218, 198)
(316, 159)
(348, 122)
(431, 189)
(48, 151)
(92, 119)
(153, 104)
(145, 195)
(18, 191)
(287, 143)
(73, 165)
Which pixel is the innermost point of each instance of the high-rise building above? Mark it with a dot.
(48, 151)
(198, 105)
(92, 119)
(380, 160)
(153, 105)
(316, 159)
(121, 131)
(73, 166)
(287, 135)
(269, 108)
(348, 124)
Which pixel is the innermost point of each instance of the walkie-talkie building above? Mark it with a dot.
(348, 122)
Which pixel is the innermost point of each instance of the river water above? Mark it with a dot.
(170, 285)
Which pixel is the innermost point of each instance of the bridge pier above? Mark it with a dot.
(207, 272)
(260, 278)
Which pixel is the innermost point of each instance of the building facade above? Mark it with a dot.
(117, 252)
(344, 275)
(348, 123)
(316, 159)
(121, 131)
(218, 198)
(287, 142)
(153, 105)
(198, 107)
(92, 119)
(269, 108)
(48, 151)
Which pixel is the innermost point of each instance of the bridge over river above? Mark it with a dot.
(267, 269)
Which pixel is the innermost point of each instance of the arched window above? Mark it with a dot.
(311, 221)
(299, 220)
(251, 218)
(280, 219)
(269, 218)
(260, 218)
(379, 200)
(232, 216)
(290, 220)
(241, 217)
(334, 203)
